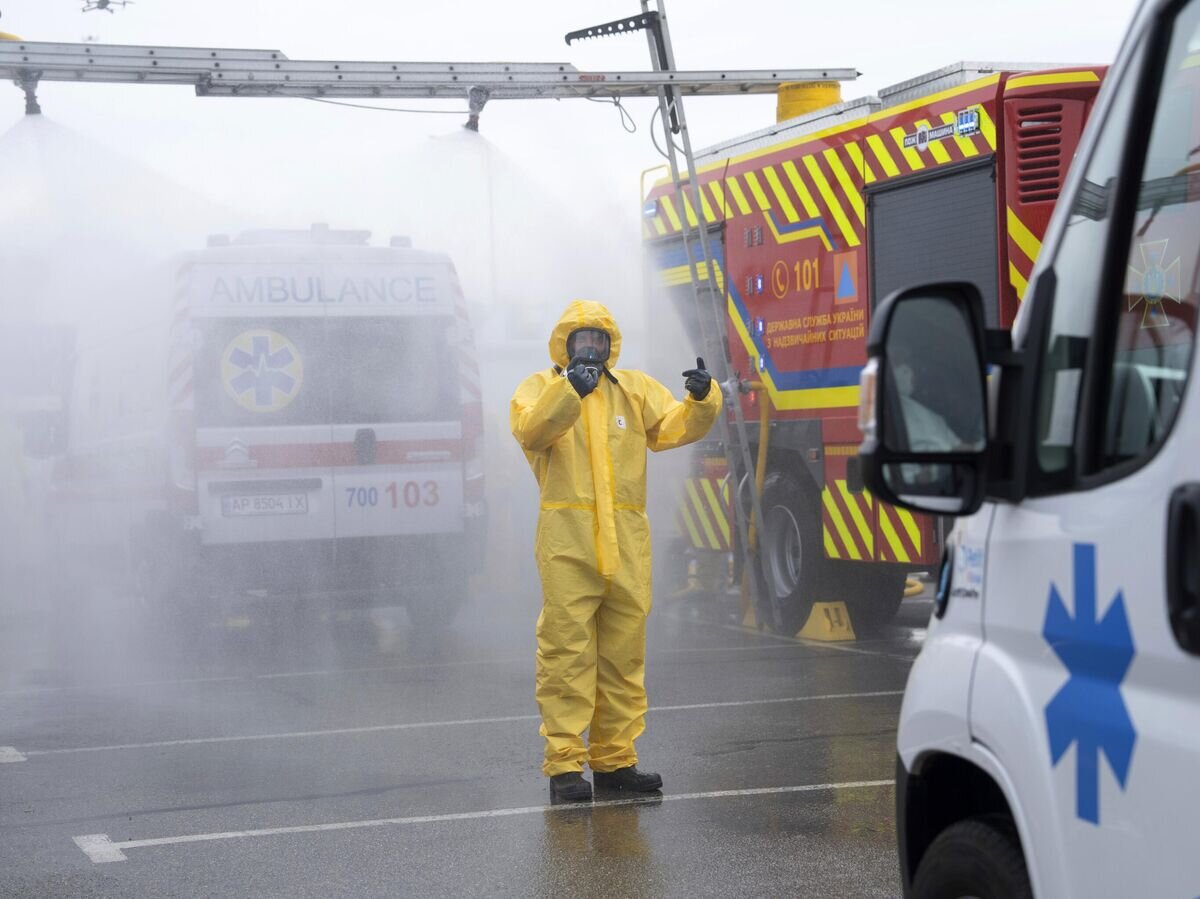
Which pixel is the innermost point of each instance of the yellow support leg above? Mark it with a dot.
(828, 622)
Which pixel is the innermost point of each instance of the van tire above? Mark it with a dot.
(978, 857)
(793, 557)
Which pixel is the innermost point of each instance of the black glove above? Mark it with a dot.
(699, 381)
(583, 377)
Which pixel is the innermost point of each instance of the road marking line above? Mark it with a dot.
(10, 754)
(99, 848)
(421, 725)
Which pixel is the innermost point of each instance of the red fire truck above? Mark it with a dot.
(813, 221)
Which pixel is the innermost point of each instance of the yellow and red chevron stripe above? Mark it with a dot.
(848, 523)
(815, 190)
(1023, 249)
(899, 535)
(703, 513)
(809, 196)
(858, 528)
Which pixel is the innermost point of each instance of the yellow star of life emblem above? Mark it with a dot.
(1153, 283)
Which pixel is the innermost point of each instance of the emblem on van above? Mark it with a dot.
(1158, 280)
(237, 455)
(1089, 710)
(262, 370)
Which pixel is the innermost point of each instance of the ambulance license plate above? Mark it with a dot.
(264, 504)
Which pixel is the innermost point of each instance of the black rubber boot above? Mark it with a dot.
(571, 787)
(630, 779)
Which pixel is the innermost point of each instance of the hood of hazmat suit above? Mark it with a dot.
(593, 540)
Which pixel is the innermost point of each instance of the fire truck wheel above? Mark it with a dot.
(873, 594)
(793, 558)
(434, 609)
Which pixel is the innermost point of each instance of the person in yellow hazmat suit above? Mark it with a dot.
(585, 429)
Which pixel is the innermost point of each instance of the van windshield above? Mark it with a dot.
(316, 370)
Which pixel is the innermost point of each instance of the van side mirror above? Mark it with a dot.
(923, 401)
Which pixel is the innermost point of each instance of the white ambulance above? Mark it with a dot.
(312, 428)
(1049, 740)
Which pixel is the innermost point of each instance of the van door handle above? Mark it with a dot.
(1183, 566)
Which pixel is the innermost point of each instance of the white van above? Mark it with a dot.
(1049, 740)
(308, 425)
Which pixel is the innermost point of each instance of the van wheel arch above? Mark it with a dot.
(941, 791)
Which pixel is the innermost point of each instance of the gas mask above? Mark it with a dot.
(589, 346)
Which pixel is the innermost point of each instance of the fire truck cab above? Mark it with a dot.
(308, 424)
(950, 175)
(1049, 737)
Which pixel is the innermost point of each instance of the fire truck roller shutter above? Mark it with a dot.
(936, 227)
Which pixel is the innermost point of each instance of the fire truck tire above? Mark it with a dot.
(434, 609)
(873, 594)
(793, 559)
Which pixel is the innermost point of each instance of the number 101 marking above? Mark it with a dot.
(808, 274)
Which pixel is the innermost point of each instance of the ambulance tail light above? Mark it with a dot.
(181, 466)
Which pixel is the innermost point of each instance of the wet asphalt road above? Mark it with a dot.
(408, 765)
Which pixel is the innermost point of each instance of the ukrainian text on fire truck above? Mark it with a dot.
(820, 327)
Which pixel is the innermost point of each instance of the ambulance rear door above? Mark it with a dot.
(395, 401)
(262, 370)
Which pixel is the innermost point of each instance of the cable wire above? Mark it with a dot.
(627, 121)
(459, 112)
(653, 138)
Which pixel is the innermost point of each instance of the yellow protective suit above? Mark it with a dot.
(593, 542)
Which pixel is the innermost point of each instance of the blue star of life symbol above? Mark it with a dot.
(1089, 710)
(263, 370)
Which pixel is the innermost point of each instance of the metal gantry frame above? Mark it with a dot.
(223, 72)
